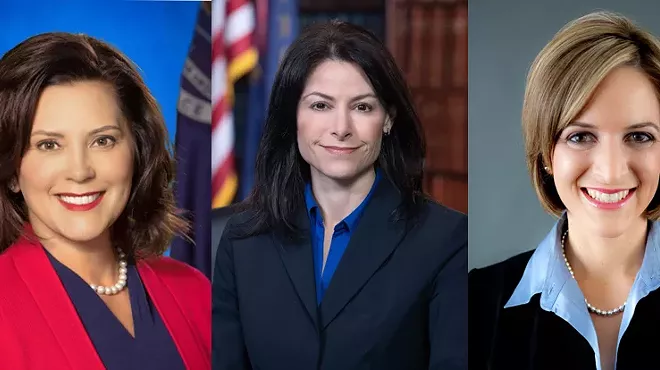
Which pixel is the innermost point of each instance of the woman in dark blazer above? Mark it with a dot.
(338, 261)
(86, 212)
(586, 297)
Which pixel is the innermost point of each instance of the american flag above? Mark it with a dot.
(234, 55)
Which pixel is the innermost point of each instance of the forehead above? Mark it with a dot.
(338, 77)
(79, 105)
(626, 96)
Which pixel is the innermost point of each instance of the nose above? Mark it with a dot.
(611, 162)
(342, 128)
(80, 168)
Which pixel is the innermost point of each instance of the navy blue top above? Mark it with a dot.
(152, 347)
(340, 237)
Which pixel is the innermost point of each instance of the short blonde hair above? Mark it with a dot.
(564, 76)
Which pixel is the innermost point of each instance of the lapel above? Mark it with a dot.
(158, 288)
(298, 260)
(47, 291)
(373, 241)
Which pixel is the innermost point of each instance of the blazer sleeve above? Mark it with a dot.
(11, 353)
(448, 307)
(228, 345)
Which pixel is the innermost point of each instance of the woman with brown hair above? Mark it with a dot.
(586, 297)
(87, 211)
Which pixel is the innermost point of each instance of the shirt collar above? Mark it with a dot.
(351, 220)
(546, 271)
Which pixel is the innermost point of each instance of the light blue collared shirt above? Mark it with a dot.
(546, 273)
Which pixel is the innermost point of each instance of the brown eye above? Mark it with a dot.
(105, 141)
(581, 137)
(319, 106)
(364, 107)
(47, 145)
(640, 137)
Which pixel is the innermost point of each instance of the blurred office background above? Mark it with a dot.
(506, 217)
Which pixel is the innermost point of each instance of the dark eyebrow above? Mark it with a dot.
(635, 126)
(328, 97)
(93, 132)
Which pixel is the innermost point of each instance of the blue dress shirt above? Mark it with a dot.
(340, 237)
(546, 273)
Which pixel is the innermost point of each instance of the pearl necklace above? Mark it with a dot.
(121, 283)
(591, 308)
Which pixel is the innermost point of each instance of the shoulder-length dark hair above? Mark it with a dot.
(149, 220)
(281, 172)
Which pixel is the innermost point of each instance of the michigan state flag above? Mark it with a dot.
(193, 148)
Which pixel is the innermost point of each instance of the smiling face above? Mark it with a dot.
(340, 122)
(606, 163)
(76, 174)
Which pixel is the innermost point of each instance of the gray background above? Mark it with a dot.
(505, 217)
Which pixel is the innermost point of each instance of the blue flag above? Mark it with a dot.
(193, 149)
(282, 30)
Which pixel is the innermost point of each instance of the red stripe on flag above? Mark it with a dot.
(239, 46)
(221, 174)
(234, 5)
(219, 110)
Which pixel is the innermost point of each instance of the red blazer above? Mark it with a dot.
(40, 328)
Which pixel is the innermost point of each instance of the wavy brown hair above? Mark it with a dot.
(150, 220)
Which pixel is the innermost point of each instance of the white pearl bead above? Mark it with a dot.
(121, 281)
(570, 270)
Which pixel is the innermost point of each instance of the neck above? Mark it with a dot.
(94, 261)
(605, 257)
(338, 199)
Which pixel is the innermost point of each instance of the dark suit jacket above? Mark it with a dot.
(398, 299)
(528, 337)
(219, 219)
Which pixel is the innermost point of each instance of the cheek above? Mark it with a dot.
(370, 130)
(567, 166)
(35, 173)
(309, 130)
(310, 127)
(117, 165)
(648, 170)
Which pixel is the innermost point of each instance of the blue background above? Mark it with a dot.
(155, 35)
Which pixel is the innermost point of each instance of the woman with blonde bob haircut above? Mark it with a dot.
(584, 299)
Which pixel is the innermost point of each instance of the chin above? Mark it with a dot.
(82, 232)
(613, 225)
(341, 172)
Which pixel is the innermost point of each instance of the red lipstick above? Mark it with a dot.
(80, 207)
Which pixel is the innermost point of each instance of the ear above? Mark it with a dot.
(389, 122)
(548, 170)
(13, 185)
